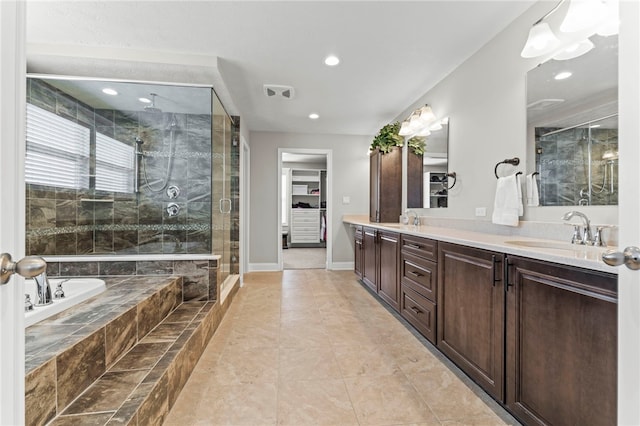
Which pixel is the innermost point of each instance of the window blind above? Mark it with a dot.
(114, 165)
(57, 151)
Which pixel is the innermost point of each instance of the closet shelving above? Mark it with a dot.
(308, 206)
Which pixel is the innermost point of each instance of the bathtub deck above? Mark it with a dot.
(118, 358)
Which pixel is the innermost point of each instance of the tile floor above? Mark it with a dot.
(304, 258)
(314, 347)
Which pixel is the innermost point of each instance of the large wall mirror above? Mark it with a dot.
(572, 127)
(432, 187)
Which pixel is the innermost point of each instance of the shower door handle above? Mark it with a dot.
(225, 205)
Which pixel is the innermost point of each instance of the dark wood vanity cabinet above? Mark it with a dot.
(370, 258)
(357, 254)
(418, 272)
(388, 287)
(562, 344)
(385, 186)
(380, 263)
(471, 312)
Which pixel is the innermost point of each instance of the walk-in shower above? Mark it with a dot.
(578, 164)
(111, 175)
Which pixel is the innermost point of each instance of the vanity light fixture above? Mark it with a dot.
(574, 50)
(331, 60)
(563, 75)
(582, 14)
(314, 116)
(420, 122)
(109, 91)
(584, 18)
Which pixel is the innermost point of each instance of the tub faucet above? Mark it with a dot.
(586, 236)
(44, 289)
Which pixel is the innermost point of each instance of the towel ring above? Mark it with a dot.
(513, 161)
(451, 175)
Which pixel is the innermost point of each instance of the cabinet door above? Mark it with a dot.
(357, 255)
(562, 344)
(369, 258)
(374, 187)
(388, 249)
(471, 312)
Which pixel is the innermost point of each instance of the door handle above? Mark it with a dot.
(629, 257)
(28, 267)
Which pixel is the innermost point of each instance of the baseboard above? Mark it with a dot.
(264, 267)
(341, 266)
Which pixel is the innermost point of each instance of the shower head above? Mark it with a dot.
(152, 108)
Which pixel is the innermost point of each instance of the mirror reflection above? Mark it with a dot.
(572, 121)
(434, 169)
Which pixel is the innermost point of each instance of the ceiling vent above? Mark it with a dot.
(278, 91)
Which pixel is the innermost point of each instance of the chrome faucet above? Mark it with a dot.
(587, 238)
(416, 219)
(44, 289)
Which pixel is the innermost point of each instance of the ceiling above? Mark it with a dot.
(392, 52)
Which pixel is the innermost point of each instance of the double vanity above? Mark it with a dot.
(532, 321)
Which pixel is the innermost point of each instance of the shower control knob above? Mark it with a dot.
(173, 192)
(173, 209)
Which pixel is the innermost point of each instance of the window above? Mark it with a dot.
(114, 165)
(57, 150)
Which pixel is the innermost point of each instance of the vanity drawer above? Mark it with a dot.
(421, 247)
(419, 312)
(420, 275)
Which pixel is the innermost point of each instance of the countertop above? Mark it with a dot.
(561, 252)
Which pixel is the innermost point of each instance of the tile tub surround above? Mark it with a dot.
(200, 276)
(133, 359)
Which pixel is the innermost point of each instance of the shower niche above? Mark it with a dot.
(117, 167)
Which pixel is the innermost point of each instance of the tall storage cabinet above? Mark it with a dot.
(385, 185)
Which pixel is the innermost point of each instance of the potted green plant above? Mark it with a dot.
(417, 145)
(387, 138)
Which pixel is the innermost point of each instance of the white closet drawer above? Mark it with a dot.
(303, 228)
(305, 238)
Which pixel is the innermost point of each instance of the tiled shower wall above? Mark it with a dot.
(62, 221)
(562, 160)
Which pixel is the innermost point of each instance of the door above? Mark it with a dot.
(370, 258)
(12, 231)
(561, 337)
(471, 313)
(388, 285)
(629, 211)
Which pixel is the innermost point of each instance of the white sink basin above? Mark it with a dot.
(546, 244)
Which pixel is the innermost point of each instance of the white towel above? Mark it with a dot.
(533, 198)
(519, 187)
(507, 204)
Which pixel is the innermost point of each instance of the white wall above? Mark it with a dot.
(350, 178)
(485, 100)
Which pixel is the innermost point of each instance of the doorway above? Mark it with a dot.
(304, 210)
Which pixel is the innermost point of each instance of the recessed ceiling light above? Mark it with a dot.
(314, 116)
(145, 100)
(562, 75)
(331, 60)
(109, 91)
